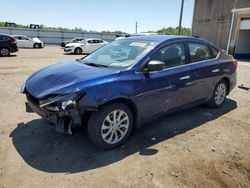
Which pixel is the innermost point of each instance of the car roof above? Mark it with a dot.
(20, 35)
(92, 39)
(165, 38)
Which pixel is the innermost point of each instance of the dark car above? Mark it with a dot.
(7, 45)
(77, 39)
(129, 82)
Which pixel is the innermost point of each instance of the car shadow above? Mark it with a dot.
(46, 150)
(11, 55)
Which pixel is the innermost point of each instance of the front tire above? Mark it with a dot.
(219, 95)
(111, 126)
(4, 52)
(78, 51)
(36, 45)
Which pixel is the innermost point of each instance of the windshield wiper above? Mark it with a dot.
(95, 65)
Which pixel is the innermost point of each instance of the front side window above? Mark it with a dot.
(120, 54)
(172, 55)
(199, 52)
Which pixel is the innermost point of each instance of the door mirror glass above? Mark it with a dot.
(155, 66)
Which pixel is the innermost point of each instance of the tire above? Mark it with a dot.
(4, 52)
(36, 45)
(106, 134)
(78, 51)
(219, 95)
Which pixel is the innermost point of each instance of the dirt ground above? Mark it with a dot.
(200, 147)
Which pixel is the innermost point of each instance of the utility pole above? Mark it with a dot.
(182, 5)
(136, 26)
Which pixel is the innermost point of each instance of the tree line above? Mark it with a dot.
(165, 31)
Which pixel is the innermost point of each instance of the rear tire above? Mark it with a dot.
(78, 51)
(219, 95)
(111, 126)
(4, 52)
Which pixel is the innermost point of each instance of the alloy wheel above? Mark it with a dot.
(4, 52)
(220, 94)
(115, 126)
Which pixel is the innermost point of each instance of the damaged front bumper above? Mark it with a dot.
(64, 120)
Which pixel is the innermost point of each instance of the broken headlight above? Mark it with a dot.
(60, 102)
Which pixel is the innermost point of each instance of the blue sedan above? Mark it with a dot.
(130, 82)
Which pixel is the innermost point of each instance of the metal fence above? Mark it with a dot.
(56, 36)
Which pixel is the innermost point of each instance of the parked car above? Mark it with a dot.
(129, 82)
(74, 40)
(7, 45)
(122, 36)
(86, 46)
(27, 42)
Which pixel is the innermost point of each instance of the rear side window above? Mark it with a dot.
(199, 52)
(4, 38)
(91, 41)
(173, 55)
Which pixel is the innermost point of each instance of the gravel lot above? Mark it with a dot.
(200, 147)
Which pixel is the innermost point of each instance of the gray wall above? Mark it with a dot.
(56, 36)
(212, 20)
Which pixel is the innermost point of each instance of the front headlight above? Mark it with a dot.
(61, 102)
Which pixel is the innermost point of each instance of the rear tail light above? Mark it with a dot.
(12, 40)
(235, 62)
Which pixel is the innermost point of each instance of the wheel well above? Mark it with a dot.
(5, 47)
(35, 44)
(128, 103)
(78, 48)
(228, 84)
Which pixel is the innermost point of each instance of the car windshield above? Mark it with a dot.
(120, 54)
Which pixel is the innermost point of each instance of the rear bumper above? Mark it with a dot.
(14, 49)
(233, 81)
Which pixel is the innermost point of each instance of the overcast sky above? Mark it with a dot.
(98, 15)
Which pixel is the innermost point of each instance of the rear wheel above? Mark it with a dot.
(78, 51)
(111, 126)
(219, 95)
(4, 52)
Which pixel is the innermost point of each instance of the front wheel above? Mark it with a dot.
(36, 45)
(219, 95)
(111, 126)
(78, 51)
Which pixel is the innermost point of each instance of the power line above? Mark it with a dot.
(180, 20)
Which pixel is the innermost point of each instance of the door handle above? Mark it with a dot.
(215, 70)
(185, 77)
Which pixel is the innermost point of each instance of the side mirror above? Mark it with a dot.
(155, 66)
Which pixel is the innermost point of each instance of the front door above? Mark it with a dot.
(170, 88)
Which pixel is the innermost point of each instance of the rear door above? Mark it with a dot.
(98, 44)
(206, 69)
(23, 41)
(89, 47)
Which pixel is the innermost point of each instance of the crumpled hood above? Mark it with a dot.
(63, 78)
